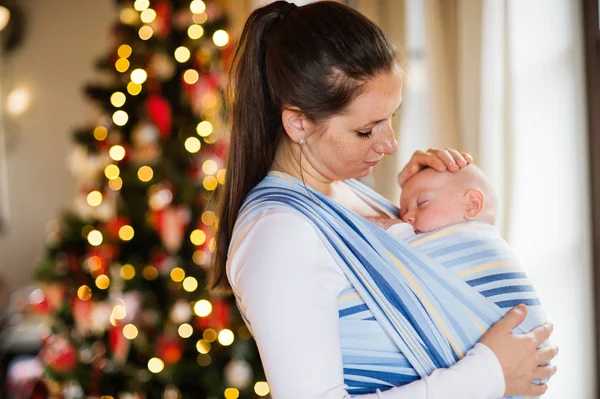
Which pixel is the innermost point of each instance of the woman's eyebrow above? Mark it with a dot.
(381, 120)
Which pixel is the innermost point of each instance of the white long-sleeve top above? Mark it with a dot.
(287, 285)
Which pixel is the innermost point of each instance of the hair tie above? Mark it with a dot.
(286, 10)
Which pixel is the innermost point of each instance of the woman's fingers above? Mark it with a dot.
(440, 160)
(458, 158)
(543, 372)
(542, 333)
(467, 157)
(546, 354)
(446, 158)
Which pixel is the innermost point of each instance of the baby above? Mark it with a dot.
(431, 200)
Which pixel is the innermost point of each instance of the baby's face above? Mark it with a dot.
(430, 200)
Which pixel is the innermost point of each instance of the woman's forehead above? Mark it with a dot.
(382, 95)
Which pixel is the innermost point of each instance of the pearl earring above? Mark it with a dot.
(301, 141)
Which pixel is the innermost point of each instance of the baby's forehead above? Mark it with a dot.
(427, 178)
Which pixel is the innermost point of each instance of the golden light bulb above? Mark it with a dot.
(102, 281)
(203, 359)
(84, 293)
(117, 152)
(130, 331)
(120, 118)
(221, 176)
(150, 273)
(128, 16)
(191, 76)
(197, 6)
(185, 330)
(112, 172)
(100, 133)
(120, 312)
(115, 184)
(134, 88)
(209, 218)
(124, 51)
(226, 337)
(126, 233)
(190, 284)
(94, 198)
(198, 237)
(182, 54)
(156, 365)
(202, 308)
(261, 388)
(141, 5)
(200, 18)
(204, 128)
(210, 167)
(139, 76)
(145, 32)
(203, 346)
(199, 257)
(94, 238)
(231, 393)
(192, 145)
(148, 15)
(127, 272)
(220, 38)
(209, 100)
(210, 183)
(210, 335)
(195, 31)
(145, 173)
(177, 274)
(118, 99)
(122, 65)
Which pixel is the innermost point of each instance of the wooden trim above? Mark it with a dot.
(592, 64)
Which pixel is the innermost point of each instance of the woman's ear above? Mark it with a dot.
(475, 201)
(295, 123)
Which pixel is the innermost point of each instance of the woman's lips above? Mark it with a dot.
(373, 163)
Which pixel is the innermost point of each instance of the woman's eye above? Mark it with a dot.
(365, 135)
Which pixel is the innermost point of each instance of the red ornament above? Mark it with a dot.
(163, 17)
(82, 313)
(118, 344)
(171, 223)
(114, 225)
(59, 354)
(160, 113)
(218, 319)
(169, 349)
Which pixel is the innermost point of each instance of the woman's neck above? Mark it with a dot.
(287, 159)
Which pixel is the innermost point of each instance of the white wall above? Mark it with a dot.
(64, 38)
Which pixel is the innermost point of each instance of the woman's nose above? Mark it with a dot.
(388, 144)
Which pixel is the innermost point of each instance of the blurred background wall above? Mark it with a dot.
(63, 39)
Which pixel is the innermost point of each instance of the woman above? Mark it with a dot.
(316, 87)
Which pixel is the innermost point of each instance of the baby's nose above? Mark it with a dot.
(409, 217)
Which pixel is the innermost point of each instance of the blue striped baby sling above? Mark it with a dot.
(413, 306)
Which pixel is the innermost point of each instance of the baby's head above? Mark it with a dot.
(431, 200)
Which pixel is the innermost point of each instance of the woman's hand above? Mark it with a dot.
(440, 160)
(519, 355)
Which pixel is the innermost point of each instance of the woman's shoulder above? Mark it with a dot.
(281, 239)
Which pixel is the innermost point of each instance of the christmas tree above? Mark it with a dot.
(124, 272)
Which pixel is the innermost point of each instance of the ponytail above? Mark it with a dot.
(315, 57)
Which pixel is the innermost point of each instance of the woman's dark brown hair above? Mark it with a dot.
(316, 57)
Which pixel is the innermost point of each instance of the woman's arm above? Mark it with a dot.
(288, 285)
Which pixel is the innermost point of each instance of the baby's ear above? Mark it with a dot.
(475, 202)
